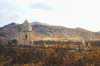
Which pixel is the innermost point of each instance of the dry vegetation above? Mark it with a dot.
(29, 56)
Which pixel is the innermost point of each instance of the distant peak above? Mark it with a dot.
(79, 28)
(98, 32)
(13, 23)
(39, 23)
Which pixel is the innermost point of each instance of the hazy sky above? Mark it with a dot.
(68, 13)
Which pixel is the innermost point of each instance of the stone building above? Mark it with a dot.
(25, 34)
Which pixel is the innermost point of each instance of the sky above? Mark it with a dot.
(69, 13)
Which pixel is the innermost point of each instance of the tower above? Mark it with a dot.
(25, 34)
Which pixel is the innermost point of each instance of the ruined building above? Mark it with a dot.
(25, 34)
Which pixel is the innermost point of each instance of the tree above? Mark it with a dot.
(14, 41)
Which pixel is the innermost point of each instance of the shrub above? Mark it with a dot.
(14, 41)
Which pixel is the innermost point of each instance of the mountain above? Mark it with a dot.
(38, 23)
(49, 32)
(98, 32)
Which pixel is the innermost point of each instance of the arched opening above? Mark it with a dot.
(30, 42)
(25, 36)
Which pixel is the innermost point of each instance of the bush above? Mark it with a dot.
(14, 41)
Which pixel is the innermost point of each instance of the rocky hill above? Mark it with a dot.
(49, 32)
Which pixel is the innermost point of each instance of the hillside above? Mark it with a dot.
(46, 32)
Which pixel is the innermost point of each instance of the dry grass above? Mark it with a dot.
(26, 56)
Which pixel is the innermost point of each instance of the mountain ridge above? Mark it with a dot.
(46, 32)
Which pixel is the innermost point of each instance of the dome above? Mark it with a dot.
(26, 26)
